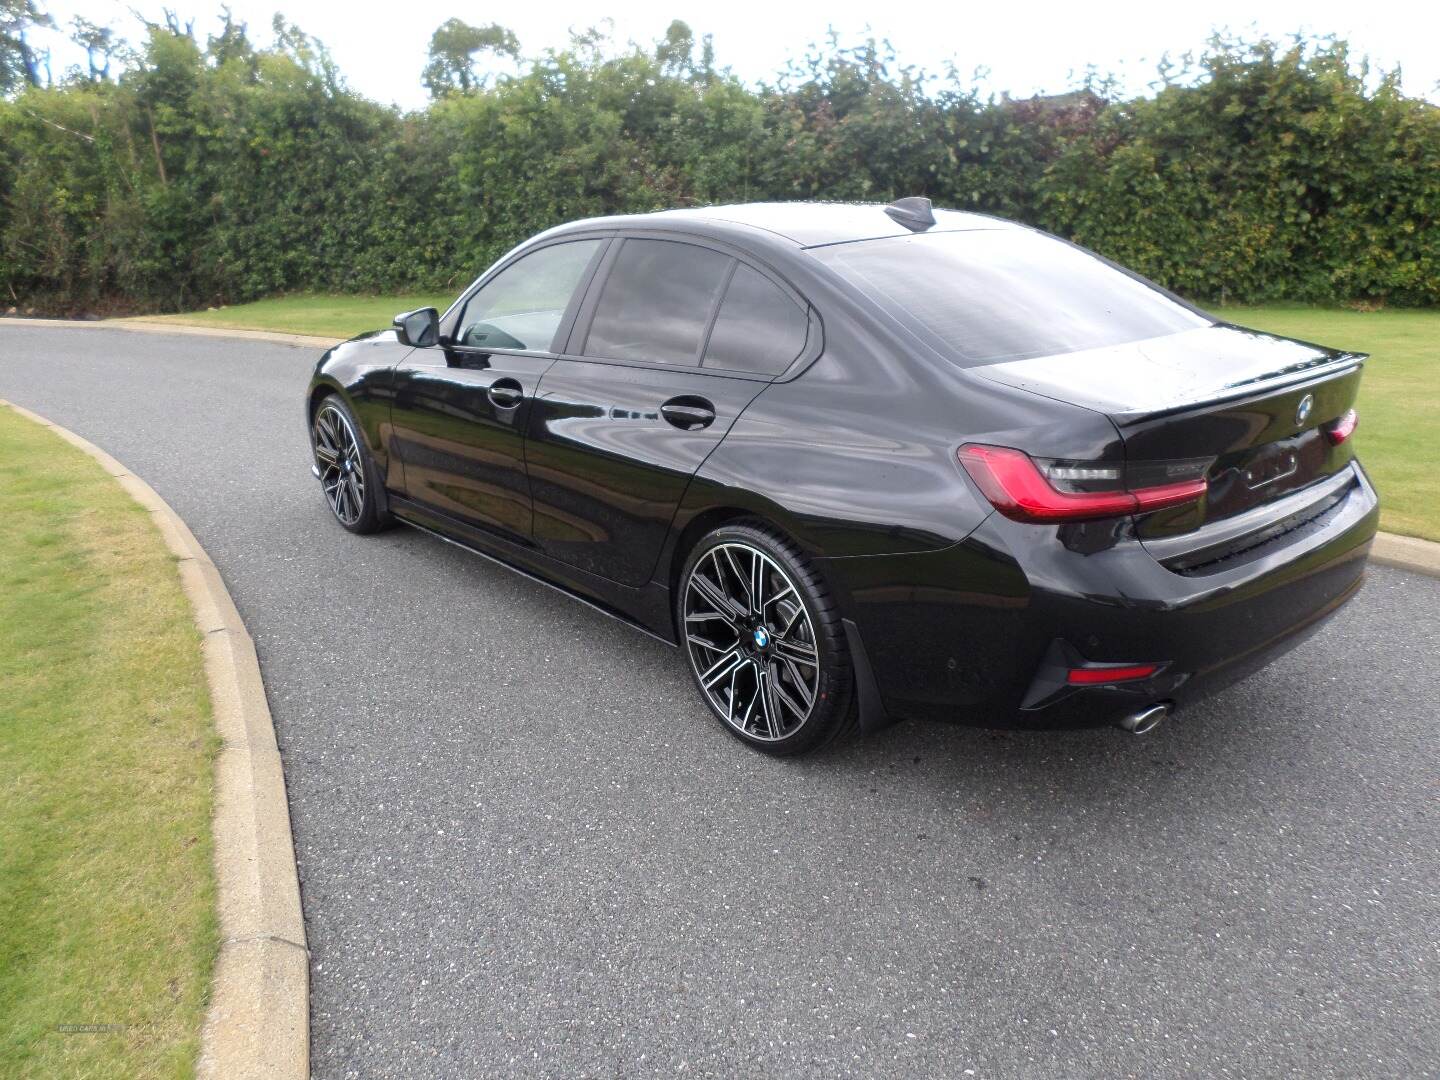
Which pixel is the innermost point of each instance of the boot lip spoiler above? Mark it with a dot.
(1068, 391)
(1341, 365)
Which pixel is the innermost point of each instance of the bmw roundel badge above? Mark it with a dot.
(1302, 411)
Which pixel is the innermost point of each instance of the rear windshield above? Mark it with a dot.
(1006, 294)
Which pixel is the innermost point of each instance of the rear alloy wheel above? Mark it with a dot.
(347, 475)
(764, 640)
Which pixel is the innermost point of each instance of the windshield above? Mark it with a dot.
(986, 296)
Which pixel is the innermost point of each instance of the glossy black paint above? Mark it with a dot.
(597, 476)
(457, 430)
(608, 471)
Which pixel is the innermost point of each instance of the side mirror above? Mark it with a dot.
(420, 328)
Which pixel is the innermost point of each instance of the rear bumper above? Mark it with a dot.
(969, 634)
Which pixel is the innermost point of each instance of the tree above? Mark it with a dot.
(173, 24)
(676, 51)
(20, 63)
(100, 44)
(233, 41)
(308, 52)
(453, 50)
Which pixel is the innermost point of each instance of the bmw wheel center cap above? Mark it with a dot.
(762, 637)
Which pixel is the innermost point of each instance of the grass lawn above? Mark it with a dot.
(339, 317)
(107, 924)
(1399, 437)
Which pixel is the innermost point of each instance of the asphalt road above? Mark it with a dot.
(525, 849)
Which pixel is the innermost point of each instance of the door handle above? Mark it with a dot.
(505, 393)
(688, 413)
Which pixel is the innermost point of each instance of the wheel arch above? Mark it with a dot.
(319, 391)
(704, 522)
(721, 507)
(326, 385)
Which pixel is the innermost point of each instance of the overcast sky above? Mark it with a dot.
(1027, 47)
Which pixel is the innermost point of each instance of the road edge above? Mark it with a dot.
(258, 1017)
(142, 325)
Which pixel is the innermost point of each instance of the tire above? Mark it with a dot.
(348, 476)
(778, 678)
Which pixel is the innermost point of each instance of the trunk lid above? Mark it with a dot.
(1253, 402)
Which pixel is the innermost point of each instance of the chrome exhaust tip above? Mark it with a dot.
(1146, 720)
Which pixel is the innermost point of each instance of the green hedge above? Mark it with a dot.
(221, 173)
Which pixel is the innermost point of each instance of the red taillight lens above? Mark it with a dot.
(1100, 676)
(1337, 431)
(1016, 487)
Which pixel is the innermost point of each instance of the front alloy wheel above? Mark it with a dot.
(343, 465)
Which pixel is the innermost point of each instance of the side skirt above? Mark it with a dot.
(534, 566)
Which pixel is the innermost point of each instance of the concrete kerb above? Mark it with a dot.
(1407, 553)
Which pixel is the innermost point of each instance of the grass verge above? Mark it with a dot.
(339, 317)
(107, 897)
(1399, 398)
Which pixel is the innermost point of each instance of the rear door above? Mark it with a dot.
(461, 408)
(675, 340)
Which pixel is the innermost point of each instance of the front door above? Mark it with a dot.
(461, 408)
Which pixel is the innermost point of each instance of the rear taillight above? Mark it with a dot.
(1046, 490)
(1337, 431)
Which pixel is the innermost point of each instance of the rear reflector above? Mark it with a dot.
(1016, 487)
(1337, 431)
(1101, 676)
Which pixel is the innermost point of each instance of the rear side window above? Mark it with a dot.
(988, 296)
(759, 328)
(657, 302)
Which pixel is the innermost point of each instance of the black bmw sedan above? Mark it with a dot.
(869, 463)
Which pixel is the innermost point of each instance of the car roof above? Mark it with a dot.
(803, 224)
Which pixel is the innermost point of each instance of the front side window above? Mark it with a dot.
(656, 302)
(987, 296)
(759, 328)
(521, 307)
